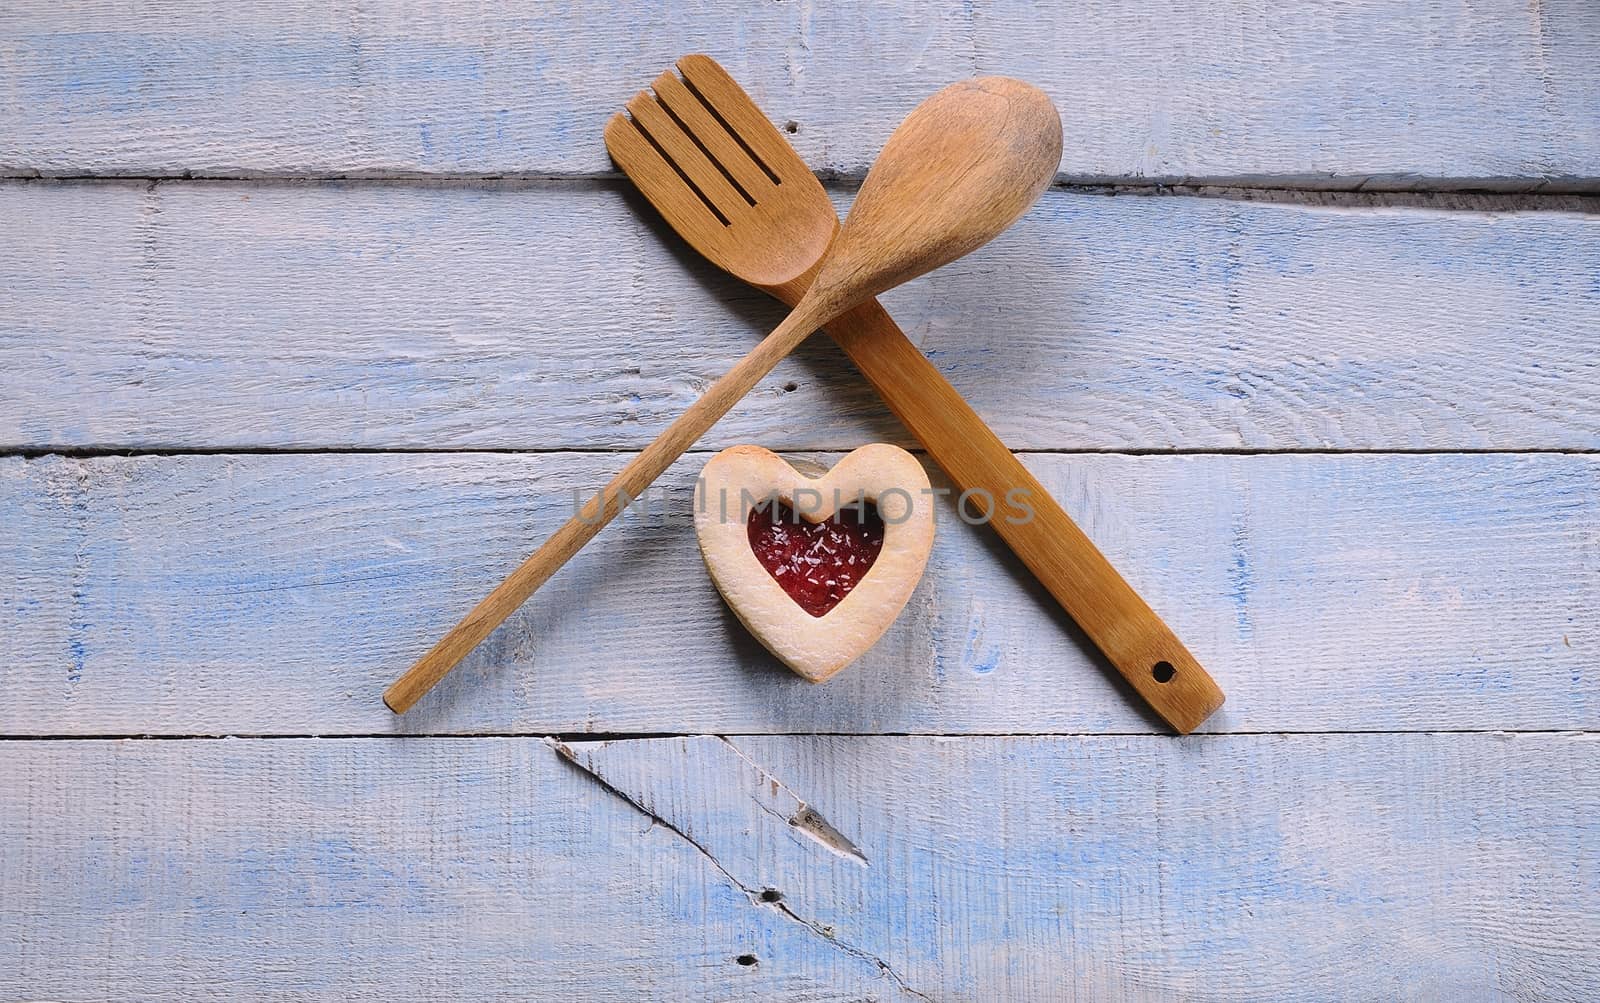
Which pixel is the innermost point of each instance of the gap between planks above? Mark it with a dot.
(645, 736)
(1445, 198)
(100, 452)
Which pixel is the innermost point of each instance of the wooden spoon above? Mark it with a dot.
(956, 173)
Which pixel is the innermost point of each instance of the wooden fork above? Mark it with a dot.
(706, 157)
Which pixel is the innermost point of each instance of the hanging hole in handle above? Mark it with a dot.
(1163, 672)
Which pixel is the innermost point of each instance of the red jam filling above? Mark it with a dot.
(816, 563)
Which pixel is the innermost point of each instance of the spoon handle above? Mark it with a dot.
(1133, 638)
(628, 484)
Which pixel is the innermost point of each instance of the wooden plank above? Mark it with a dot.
(1321, 866)
(1492, 95)
(281, 593)
(368, 315)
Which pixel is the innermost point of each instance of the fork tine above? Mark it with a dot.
(735, 107)
(713, 135)
(654, 121)
(685, 209)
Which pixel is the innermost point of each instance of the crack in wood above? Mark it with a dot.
(570, 755)
(806, 820)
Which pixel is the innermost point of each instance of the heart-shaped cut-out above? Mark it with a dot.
(852, 582)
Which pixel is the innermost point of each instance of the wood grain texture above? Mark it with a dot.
(1330, 594)
(559, 316)
(1496, 94)
(1325, 866)
(1324, 592)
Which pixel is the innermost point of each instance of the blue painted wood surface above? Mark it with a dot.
(1399, 801)
(276, 594)
(1497, 94)
(558, 316)
(1142, 868)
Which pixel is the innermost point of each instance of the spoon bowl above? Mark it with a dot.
(961, 168)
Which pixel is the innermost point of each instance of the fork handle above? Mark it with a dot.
(1134, 639)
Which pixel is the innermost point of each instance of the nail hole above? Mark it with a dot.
(771, 895)
(791, 127)
(747, 960)
(790, 387)
(1163, 672)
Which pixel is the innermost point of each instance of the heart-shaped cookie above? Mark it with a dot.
(816, 567)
